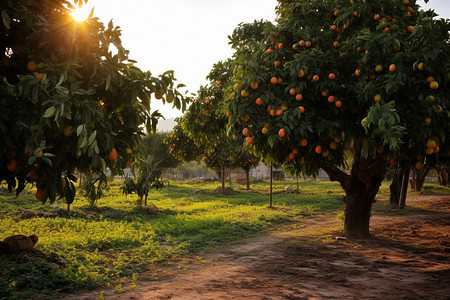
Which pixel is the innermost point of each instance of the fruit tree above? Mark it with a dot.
(71, 98)
(339, 78)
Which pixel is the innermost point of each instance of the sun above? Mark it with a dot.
(80, 14)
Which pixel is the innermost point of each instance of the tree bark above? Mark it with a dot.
(223, 178)
(397, 195)
(361, 187)
(418, 178)
(443, 173)
(247, 177)
(271, 189)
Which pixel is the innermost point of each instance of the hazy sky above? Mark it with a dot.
(188, 36)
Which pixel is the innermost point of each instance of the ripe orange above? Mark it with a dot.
(277, 63)
(279, 80)
(336, 12)
(244, 93)
(420, 66)
(269, 51)
(304, 142)
(32, 66)
(434, 85)
(430, 79)
(333, 27)
(331, 76)
(410, 28)
(392, 68)
(68, 130)
(273, 80)
(302, 109)
(436, 149)
(358, 72)
(308, 44)
(298, 97)
(355, 13)
(258, 101)
(324, 93)
(249, 140)
(372, 77)
(238, 86)
(128, 162)
(295, 151)
(387, 29)
(301, 73)
(128, 150)
(229, 113)
(376, 17)
(335, 44)
(253, 85)
(40, 194)
(113, 154)
(331, 99)
(12, 166)
(301, 43)
(245, 131)
(281, 132)
(429, 151)
(280, 45)
(419, 165)
(337, 139)
(315, 78)
(284, 107)
(279, 112)
(39, 76)
(218, 83)
(359, 49)
(39, 154)
(338, 103)
(333, 145)
(392, 161)
(292, 91)
(428, 120)
(264, 130)
(207, 101)
(291, 156)
(318, 149)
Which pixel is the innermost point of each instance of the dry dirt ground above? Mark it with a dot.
(408, 258)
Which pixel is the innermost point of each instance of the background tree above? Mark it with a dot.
(153, 145)
(367, 78)
(71, 98)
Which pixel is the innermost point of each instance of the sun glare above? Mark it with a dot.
(80, 14)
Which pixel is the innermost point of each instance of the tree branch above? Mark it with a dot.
(336, 174)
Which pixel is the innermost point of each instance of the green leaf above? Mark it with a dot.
(50, 112)
(6, 19)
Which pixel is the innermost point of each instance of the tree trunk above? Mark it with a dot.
(397, 195)
(271, 189)
(361, 187)
(223, 178)
(247, 177)
(298, 189)
(418, 178)
(443, 173)
(145, 201)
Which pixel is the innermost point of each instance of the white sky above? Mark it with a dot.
(189, 36)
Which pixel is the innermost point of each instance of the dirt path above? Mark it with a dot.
(409, 258)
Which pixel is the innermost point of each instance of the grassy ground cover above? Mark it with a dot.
(102, 245)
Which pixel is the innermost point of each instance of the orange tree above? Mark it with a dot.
(335, 78)
(71, 99)
(181, 146)
(206, 121)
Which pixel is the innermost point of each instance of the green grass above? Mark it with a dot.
(117, 240)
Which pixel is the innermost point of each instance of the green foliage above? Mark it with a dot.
(314, 51)
(153, 145)
(91, 192)
(70, 96)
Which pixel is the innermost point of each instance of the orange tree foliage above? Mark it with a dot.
(370, 77)
(71, 98)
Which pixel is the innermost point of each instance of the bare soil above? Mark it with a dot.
(408, 258)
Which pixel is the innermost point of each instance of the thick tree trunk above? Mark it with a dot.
(361, 187)
(418, 178)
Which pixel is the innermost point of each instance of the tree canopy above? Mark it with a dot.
(336, 77)
(71, 98)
